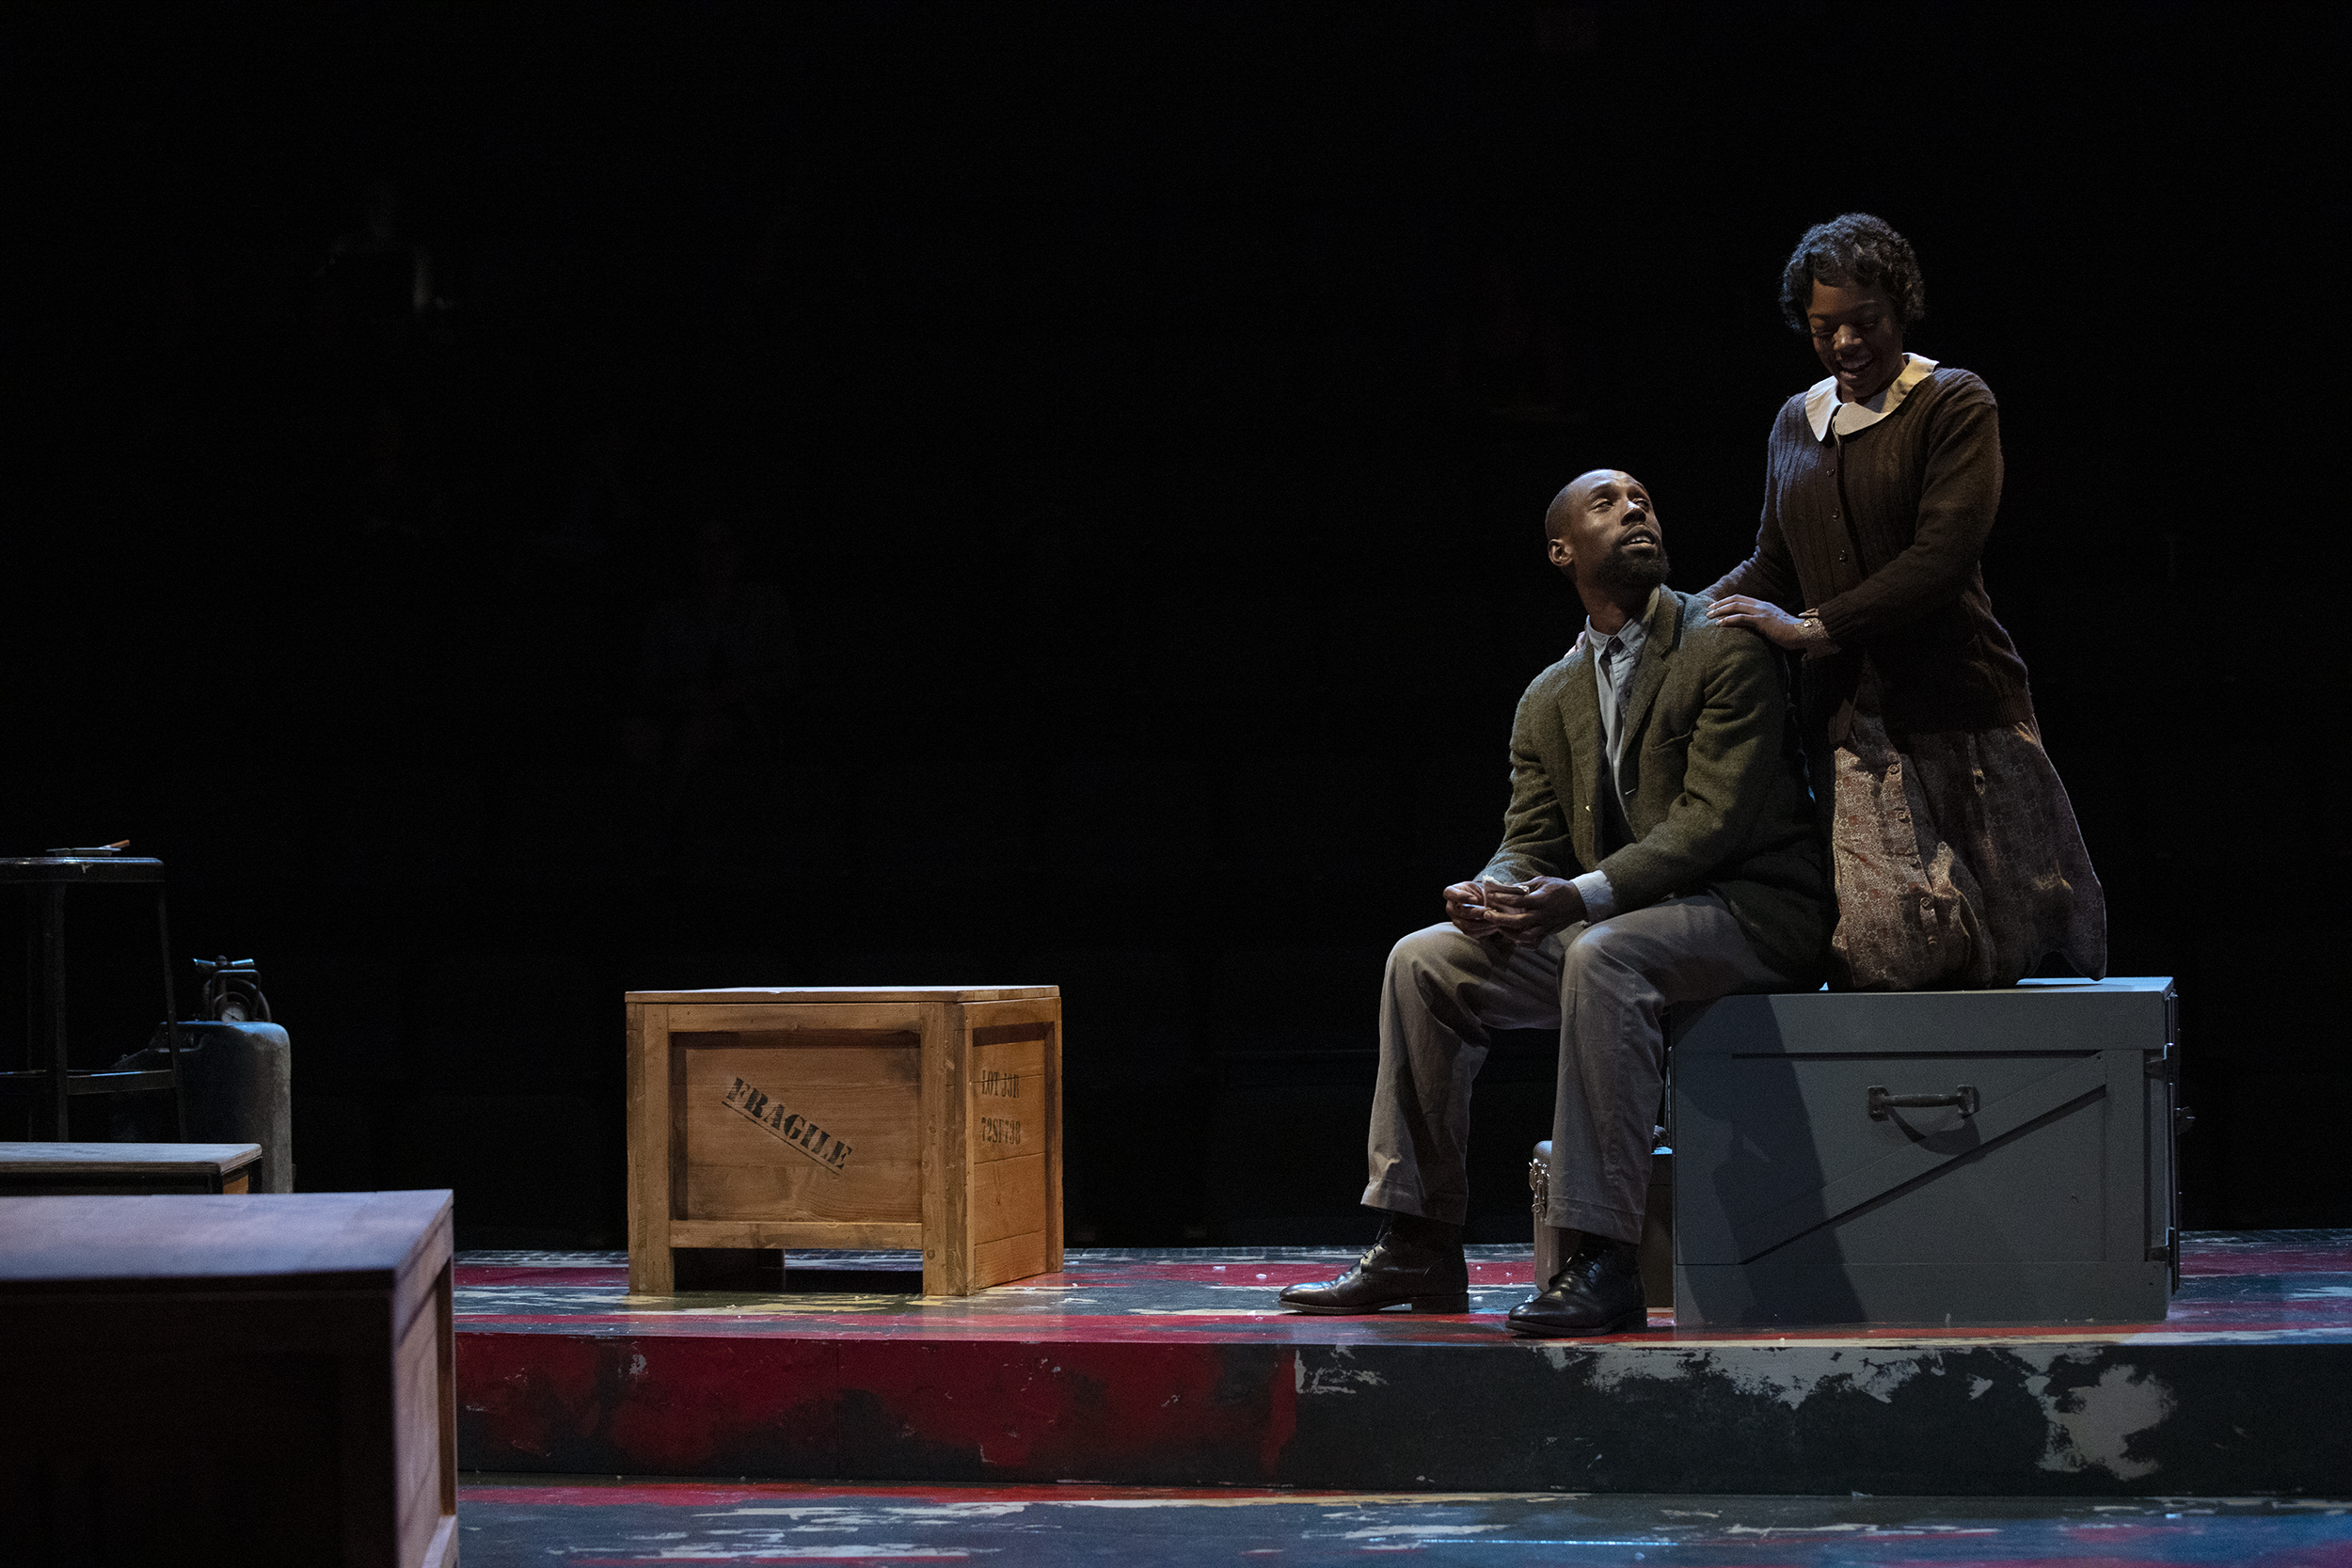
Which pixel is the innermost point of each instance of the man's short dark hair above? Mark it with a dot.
(1556, 515)
(1852, 250)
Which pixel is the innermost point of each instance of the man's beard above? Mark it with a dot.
(1618, 570)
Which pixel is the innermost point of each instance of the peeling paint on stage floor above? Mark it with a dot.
(1175, 1369)
(506, 1525)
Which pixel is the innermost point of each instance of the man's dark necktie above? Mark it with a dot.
(1611, 657)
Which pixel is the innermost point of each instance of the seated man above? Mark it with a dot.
(1660, 847)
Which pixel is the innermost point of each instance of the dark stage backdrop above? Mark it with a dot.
(1115, 439)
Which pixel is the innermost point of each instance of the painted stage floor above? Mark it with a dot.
(512, 1521)
(2271, 1286)
(1177, 1368)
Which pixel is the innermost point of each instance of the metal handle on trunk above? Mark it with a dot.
(1881, 1102)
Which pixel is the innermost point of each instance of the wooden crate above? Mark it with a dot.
(836, 1117)
(258, 1380)
(59, 1169)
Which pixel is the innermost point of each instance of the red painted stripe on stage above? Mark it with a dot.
(946, 1554)
(689, 1405)
(481, 1274)
(704, 1493)
(2206, 1262)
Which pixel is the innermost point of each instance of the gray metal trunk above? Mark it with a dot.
(2030, 1179)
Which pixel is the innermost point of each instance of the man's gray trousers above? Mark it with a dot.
(1606, 986)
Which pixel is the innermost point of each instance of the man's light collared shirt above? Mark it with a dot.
(1614, 659)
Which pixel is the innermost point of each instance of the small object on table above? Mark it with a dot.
(125, 1170)
(838, 1116)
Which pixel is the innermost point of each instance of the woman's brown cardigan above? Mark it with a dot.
(1880, 531)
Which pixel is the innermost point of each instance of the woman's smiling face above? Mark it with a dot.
(1858, 336)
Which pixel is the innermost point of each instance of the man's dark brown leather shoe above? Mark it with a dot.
(1416, 1263)
(1597, 1291)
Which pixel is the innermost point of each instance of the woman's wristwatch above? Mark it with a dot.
(1815, 635)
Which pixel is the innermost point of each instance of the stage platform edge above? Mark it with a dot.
(1173, 1367)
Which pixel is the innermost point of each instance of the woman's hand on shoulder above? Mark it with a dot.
(1798, 634)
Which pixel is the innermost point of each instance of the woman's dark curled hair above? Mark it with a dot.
(1852, 250)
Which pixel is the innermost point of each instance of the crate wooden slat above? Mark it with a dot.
(841, 994)
(847, 1116)
(265, 1379)
(65, 1169)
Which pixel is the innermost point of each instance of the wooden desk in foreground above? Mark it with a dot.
(90, 1170)
(264, 1379)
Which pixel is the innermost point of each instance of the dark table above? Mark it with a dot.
(125, 1170)
(261, 1380)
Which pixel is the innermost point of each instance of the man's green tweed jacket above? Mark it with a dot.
(1712, 777)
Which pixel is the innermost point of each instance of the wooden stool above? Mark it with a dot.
(261, 1380)
(57, 1169)
(47, 878)
(840, 1116)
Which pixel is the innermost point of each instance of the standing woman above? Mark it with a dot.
(1955, 852)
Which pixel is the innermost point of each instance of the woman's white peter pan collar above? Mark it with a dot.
(1821, 404)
